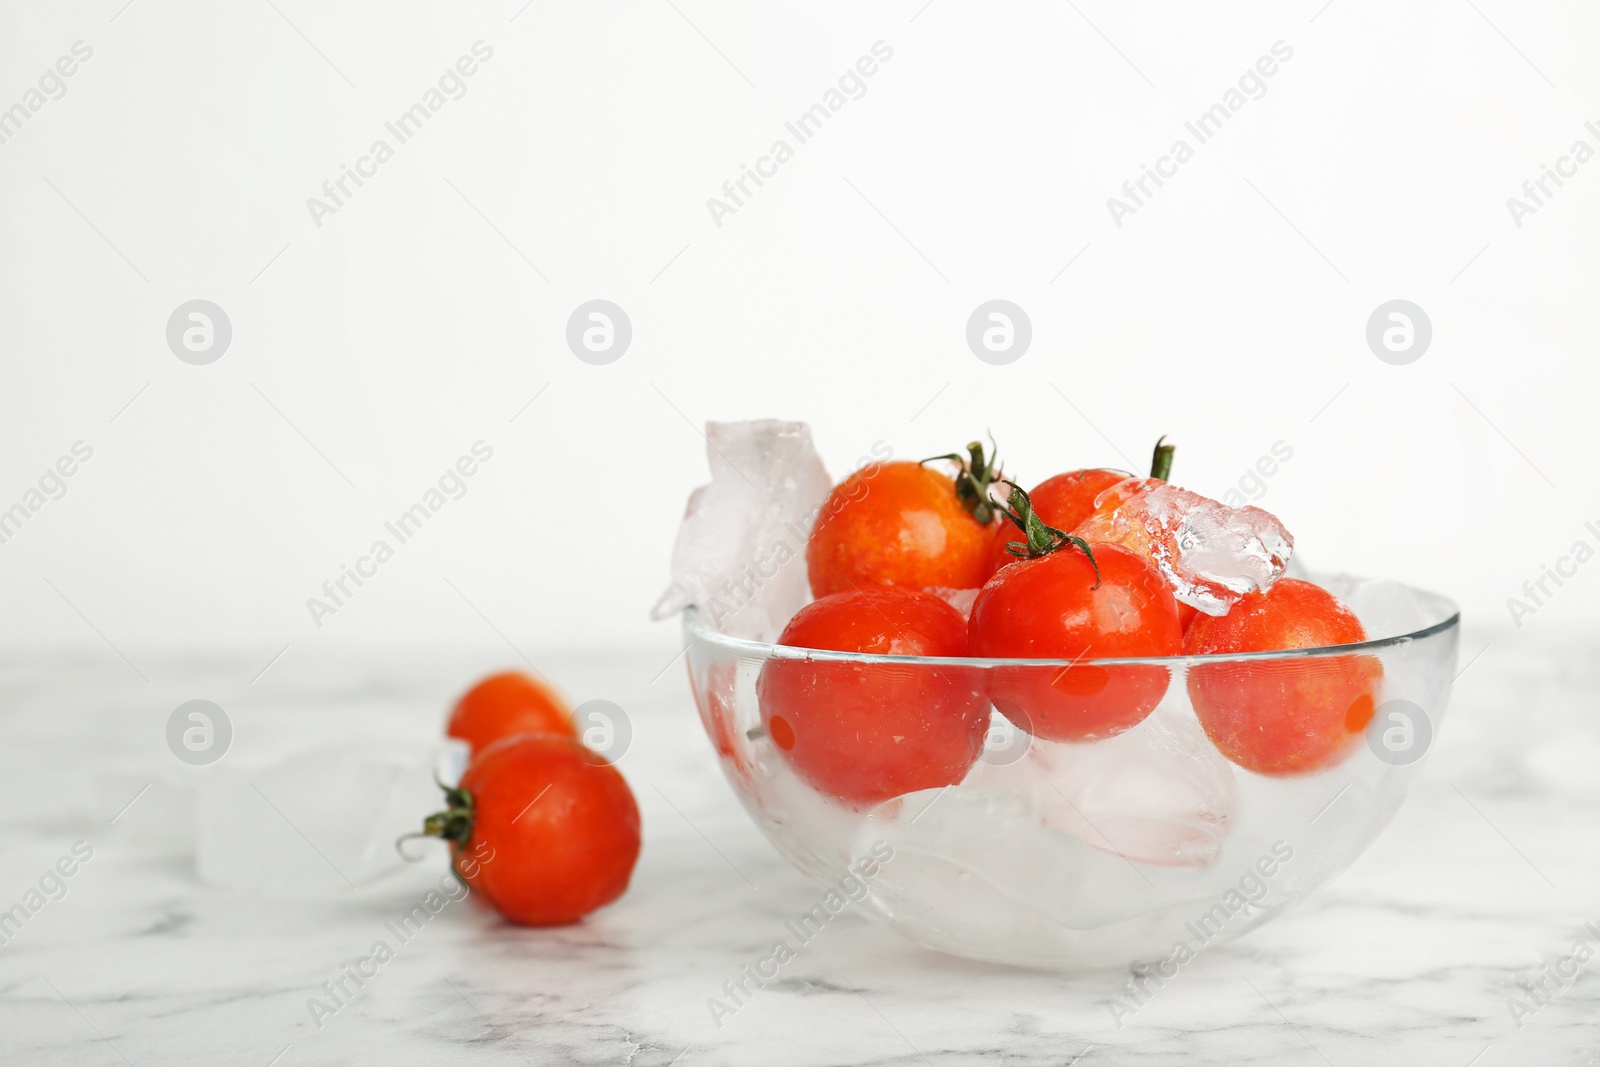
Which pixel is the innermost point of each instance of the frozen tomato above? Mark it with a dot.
(866, 732)
(1078, 602)
(1283, 716)
(907, 525)
(506, 704)
(545, 829)
(1062, 501)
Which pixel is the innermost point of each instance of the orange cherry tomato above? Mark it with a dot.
(503, 705)
(1283, 716)
(897, 524)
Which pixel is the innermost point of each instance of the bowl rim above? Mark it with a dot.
(697, 631)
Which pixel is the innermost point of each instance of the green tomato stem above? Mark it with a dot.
(977, 474)
(1161, 462)
(1041, 539)
(454, 824)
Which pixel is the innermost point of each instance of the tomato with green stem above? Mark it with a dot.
(545, 829)
(1068, 599)
(864, 732)
(905, 525)
(1062, 501)
(1283, 716)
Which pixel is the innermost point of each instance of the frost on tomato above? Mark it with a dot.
(1283, 716)
(866, 732)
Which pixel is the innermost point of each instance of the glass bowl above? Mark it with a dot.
(1146, 846)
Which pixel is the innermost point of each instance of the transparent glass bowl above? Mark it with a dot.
(1143, 847)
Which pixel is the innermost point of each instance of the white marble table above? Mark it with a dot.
(1409, 958)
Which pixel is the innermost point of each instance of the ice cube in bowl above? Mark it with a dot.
(1076, 854)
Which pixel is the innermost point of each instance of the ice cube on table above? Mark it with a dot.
(318, 823)
(152, 806)
(1211, 554)
(740, 552)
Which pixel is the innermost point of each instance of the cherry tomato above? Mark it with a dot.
(1051, 607)
(866, 732)
(1062, 501)
(506, 704)
(1283, 716)
(545, 829)
(897, 524)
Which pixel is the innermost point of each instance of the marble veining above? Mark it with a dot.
(1480, 887)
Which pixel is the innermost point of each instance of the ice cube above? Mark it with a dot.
(740, 552)
(317, 823)
(1209, 553)
(1386, 608)
(152, 805)
(1065, 817)
(1086, 851)
(1158, 794)
(969, 844)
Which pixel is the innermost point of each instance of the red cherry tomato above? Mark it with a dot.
(1062, 501)
(1289, 716)
(866, 732)
(503, 705)
(1049, 607)
(545, 829)
(896, 524)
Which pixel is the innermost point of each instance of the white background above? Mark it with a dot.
(369, 353)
